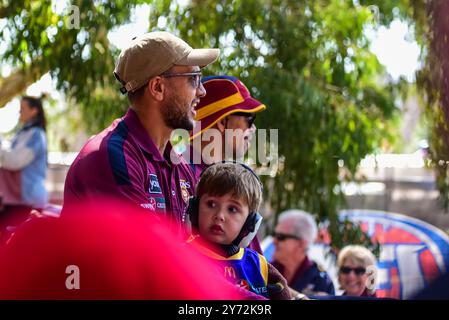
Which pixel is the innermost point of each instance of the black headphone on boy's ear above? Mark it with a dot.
(251, 225)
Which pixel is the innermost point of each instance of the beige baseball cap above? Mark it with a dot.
(152, 54)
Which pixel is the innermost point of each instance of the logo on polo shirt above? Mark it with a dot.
(184, 192)
(152, 204)
(160, 203)
(155, 188)
(184, 184)
(155, 204)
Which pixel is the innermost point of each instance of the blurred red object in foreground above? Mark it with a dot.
(112, 251)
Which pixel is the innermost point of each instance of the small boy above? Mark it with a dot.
(224, 219)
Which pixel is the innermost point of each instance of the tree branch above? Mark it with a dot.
(19, 80)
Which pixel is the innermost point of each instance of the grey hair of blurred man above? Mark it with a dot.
(302, 223)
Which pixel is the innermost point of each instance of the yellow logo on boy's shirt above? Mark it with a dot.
(184, 193)
(229, 272)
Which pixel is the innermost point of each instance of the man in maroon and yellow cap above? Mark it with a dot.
(225, 123)
(229, 110)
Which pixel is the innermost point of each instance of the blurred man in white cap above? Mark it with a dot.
(131, 159)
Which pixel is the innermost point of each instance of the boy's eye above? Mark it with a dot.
(233, 209)
(211, 203)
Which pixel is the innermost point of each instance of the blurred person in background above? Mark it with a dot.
(295, 231)
(23, 166)
(357, 271)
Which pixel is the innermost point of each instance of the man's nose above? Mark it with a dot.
(200, 91)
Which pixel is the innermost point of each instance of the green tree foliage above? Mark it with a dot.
(38, 40)
(433, 81)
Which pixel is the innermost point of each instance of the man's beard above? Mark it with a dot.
(176, 114)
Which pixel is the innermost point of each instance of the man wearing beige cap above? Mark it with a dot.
(132, 159)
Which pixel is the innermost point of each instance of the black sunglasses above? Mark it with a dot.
(282, 236)
(358, 271)
(250, 117)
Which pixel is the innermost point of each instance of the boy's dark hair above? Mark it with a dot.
(223, 178)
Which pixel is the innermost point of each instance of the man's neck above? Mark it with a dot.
(154, 125)
(291, 266)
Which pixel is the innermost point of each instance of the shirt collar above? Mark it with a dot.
(302, 268)
(139, 133)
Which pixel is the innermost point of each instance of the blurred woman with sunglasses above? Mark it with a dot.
(357, 271)
(295, 232)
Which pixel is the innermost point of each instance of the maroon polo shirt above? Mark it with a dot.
(305, 265)
(123, 162)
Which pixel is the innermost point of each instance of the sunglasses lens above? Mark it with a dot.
(282, 237)
(345, 270)
(358, 271)
(279, 236)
